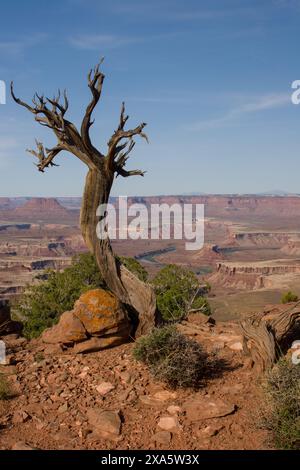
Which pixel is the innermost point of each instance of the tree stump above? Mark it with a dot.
(264, 336)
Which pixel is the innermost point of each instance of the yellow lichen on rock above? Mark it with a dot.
(101, 312)
(98, 321)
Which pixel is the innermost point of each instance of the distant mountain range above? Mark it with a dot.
(273, 192)
(277, 192)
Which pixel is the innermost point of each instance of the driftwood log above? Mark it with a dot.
(103, 167)
(266, 336)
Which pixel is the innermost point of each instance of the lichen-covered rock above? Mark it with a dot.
(101, 313)
(68, 330)
(98, 321)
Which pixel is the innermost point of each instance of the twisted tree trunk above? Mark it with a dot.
(265, 336)
(135, 294)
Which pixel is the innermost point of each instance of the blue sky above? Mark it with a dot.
(212, 78)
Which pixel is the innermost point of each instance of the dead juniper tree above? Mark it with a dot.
(265, 335)
(138, 297)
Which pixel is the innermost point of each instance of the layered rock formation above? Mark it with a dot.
(41, 207)
(254, 275)
(232, 205)
(262, 239)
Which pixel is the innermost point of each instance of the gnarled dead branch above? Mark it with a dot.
(264, 335)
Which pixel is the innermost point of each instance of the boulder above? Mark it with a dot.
(95, 344)
(168, 423)
(98, 321)
(101, 313)
(200, 408)
(106, 423)
(104, 388)
(68, 330)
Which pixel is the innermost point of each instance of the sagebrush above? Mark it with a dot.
(171, 357)
(5, 391)
(289, 297)
(281, 413)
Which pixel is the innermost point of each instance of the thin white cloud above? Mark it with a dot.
(19, 45)
(100, 41)
(261, 103)
(111, 41)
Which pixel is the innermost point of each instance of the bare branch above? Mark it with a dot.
(123, 157)
(125, 173)
(62, 107)
(123, 117)
(45, 156)
(95, 82)
(66, 132)
(20, 102)
(115, 159)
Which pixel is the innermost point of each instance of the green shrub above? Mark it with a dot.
(201, 304)
(289, 297)
(282, 410)
(5, 391)
(171, 357)
(178, 291)
(135, 267)
(42, 304)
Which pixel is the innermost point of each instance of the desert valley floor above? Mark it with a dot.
(250, 257)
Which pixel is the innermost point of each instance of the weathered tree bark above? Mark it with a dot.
(138, 297)
(265, 336)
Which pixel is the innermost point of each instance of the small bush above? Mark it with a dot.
(171, 357)
(282, 411)
(289, 297)
(5, 391)
(178, 291)
(39, 357)
(201, 304)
